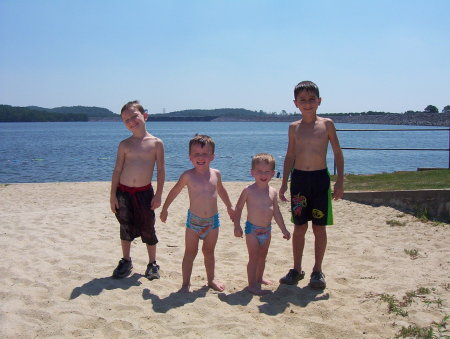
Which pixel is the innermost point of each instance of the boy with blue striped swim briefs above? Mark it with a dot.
(310, 188)
(262, 206)
(204, 185)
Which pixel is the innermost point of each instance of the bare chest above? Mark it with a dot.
(310, 135)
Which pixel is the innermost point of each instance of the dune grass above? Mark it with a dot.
(432, 179)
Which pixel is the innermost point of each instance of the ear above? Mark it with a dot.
(320, 100)
(145, 116)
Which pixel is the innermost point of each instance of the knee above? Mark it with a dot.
(208, 252)
(319, 230)
(300, 231)
(190, 254)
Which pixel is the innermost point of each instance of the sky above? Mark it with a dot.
(382, 55)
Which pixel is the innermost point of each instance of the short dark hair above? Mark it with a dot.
(135, 104)
(202, 140)
(306, 86)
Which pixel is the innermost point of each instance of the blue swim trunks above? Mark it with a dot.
(202, 225)
(261, 233)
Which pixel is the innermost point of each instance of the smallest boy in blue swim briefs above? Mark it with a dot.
(202, 225)
(261, 233)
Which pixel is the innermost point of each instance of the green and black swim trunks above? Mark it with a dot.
(311, 197)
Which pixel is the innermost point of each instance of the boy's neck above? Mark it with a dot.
(262, 185)
(202, 170)
(309, 118)
(141, 134)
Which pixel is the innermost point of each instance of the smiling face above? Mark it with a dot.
(262, 172)
(307, 102)
(200, 156)
(133, 119)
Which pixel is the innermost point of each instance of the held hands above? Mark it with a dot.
(230, 211)
(238, 231)
(286, 234)
(282, 191)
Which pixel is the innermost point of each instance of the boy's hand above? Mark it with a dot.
(238, 231)
(114, 204)
(230, 211)
(156, 202)
(338, 191)
(163, 215)
(281, 192)
(286, 235)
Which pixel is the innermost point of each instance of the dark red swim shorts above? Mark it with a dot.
(134, 214)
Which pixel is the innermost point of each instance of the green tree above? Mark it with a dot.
(446, 109)
(431, 109)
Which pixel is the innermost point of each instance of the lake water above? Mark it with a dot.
(85, 151)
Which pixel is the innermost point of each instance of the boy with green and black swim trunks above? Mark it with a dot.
(204, 186)
(310, 187)
(133, 199)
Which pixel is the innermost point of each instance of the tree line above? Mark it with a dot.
(23, 114)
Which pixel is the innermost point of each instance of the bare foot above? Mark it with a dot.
(266, 282)
(216, 285)
(258, 291)
(185, 289)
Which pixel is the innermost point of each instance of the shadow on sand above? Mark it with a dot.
(278, 301)
(174, 300)
(96, 286)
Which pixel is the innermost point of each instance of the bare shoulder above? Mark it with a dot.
(327, 121)
(294, 124)
(215, 172)
(156, 140)
(273, 193)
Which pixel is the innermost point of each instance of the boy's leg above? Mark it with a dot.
(320, 245)
(262, 255)
(151, 249)
(190, 252)
(209, 245)
(254, 271)
(152, 271)
(252, 265)
(298, 244)
(125, 266)
(317, 280)
(126, 248)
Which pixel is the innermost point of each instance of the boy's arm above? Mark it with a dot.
(279, 218)
(160, 175)
(238, 213)
(224, 196)
(173, 193)
(289, 161)
(120, 159)
(338, 191)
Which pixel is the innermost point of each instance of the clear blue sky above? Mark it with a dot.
(384, 55)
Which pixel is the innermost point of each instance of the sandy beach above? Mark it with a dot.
(60, 244)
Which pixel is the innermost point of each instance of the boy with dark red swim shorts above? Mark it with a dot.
(133, 199)
(306, 163)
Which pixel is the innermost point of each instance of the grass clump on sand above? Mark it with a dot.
(433, 179)
(435, 330)
(395, 306)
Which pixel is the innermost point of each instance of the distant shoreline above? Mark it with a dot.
(415, 119)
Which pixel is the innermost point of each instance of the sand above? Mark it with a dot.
(60, 244)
